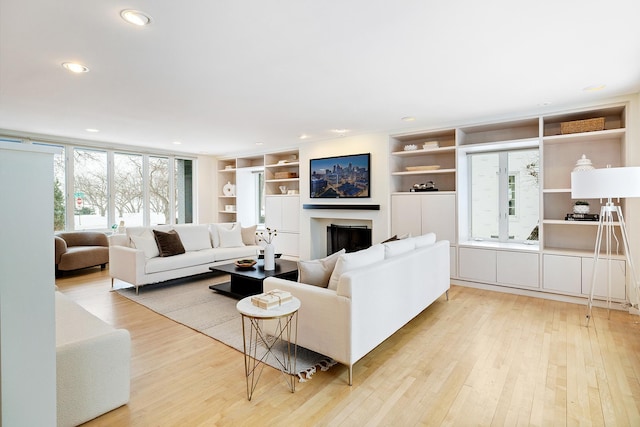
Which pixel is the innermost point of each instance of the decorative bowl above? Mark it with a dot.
(245, 263)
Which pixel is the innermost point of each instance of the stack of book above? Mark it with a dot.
(430, 145)
(582, 217)
(271, 299)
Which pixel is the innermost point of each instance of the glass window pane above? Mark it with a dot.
(91, 197)
(59, 192)
(129, 200)
(184, 191)
(523, 167)
(485, 209)
(159, 190)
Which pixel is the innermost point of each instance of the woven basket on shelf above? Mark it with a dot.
(576, 126)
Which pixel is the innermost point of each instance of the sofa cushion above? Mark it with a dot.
(398, 247)
(317, 272)
(249, 235)
(351, 261)
(145, 242)
(424, 240)
(230, 238)
(169, 243)
(194, 237)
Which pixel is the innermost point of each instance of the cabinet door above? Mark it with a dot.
(439, 216)
(562, 273)
(478, 264)
(273, 212)
(618, 286)
(290, 214)
(518, 268)
(406, 214)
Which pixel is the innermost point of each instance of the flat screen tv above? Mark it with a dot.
(341, 177)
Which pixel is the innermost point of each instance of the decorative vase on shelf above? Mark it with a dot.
(269, 257)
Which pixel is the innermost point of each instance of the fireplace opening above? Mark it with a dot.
(350, 237)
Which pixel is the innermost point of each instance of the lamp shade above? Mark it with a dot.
(606, 183)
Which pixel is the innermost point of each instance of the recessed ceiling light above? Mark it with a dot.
(304, 136)
(259, 143)
(340, 131)
(135, 17)
(177, 143)
(594, 88)
(92, 130)
(408, 119)
(74, 67)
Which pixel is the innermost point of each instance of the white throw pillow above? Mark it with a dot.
(317, 272)
(351, 261)
(230, 238)
(398, 247)
(147, 243)
(194, 237)
(424, 240)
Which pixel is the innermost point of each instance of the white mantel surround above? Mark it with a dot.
(318, 229)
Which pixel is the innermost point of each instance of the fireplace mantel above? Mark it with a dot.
(361, 207)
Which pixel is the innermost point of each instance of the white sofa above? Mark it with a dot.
(92, 364)
(370, 301)
(134, 256)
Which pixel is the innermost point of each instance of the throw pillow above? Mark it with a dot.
(351, 261)
(424, 240)
(317, 272)
(398, 247)
(230, 238)
(145, 242)
(249, 235)
(169, 243)
(194, 237)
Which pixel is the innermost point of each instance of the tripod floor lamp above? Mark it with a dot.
(608, 183)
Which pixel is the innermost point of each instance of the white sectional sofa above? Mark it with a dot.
(134, 256)
(93, 362)
(370, 295)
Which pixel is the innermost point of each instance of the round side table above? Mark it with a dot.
(256, 340)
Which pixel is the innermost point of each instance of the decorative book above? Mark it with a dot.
(582, 217)
(271, 299)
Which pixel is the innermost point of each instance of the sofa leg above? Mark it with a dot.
(350, 375)
(136, 289)
(447, 294)
(112, 282)
(103, 266)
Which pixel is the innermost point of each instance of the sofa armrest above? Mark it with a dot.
(118, 240)
(323, 318)
(126, 264)
(60, 248)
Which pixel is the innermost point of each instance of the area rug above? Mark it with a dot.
(193, 304)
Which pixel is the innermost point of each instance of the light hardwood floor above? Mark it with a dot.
(482, 358)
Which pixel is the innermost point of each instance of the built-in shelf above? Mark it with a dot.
(342, 207)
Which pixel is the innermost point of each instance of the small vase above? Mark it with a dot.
(269, 257)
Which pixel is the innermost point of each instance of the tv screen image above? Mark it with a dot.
(341, 177)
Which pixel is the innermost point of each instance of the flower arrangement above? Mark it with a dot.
(268, 237)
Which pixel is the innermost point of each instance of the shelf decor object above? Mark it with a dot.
(578, 126)
(608, 183)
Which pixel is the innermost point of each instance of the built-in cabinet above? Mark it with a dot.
(281, 189)
(562, 260)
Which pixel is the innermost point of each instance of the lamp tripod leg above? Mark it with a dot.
(596, 256)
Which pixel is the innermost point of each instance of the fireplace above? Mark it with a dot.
(350, 237)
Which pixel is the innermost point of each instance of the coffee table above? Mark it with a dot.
(246, 282)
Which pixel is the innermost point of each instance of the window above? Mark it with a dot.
(184, 191)
(159, 190)
(90, 189)
(95, 189)
(504, 194)
(128, 189)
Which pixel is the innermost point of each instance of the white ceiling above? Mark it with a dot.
(220, 76)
